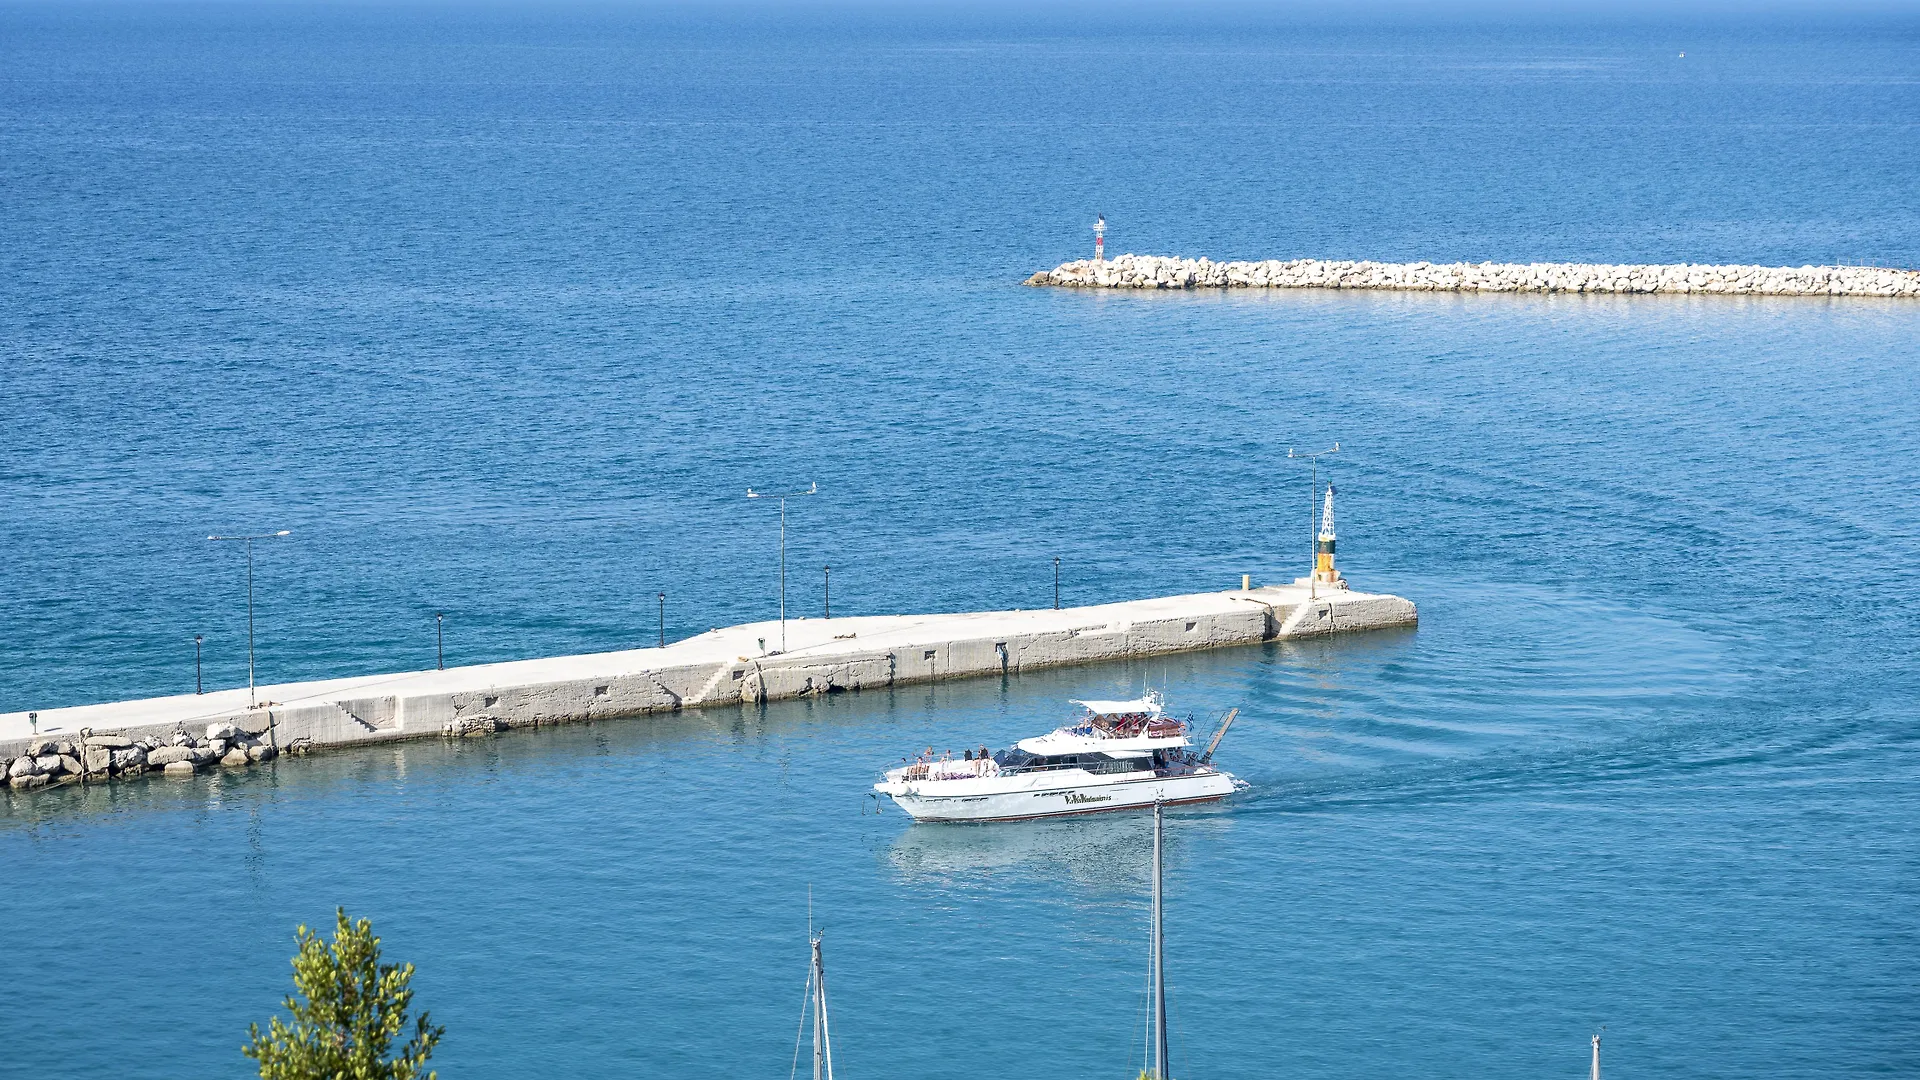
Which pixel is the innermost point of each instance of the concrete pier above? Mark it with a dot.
(726, 667)
(1168, 272)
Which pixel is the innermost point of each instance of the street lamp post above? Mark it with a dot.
(1313, 513)
(663, 620)
(196, 665)
(440, 639)
(1056, 583)
(253, 699)
(813, 489)
(828, 571)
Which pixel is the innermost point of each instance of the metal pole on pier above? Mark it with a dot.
(196, 664)
(440, 639)
(663, 620)
(752, 494)
(828, 571)
(1056, 583)
(253, 699)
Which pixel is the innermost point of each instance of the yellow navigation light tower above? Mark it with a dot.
(1323, 571)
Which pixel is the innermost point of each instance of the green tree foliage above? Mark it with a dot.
(355, 1007)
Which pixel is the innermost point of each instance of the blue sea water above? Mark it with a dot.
(501, 309)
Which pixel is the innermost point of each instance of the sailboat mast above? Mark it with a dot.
(822, 1038)
(817, 1058)
(1160, 1054)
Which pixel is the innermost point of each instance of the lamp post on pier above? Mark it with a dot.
(1056, 583)
(663, 620)
(440, 639)
(827, 572)
(196, 665)
(1313, 513)
(253, 699)
(813, 489)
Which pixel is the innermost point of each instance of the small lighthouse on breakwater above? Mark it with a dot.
(1099, 238)
(1323, 570)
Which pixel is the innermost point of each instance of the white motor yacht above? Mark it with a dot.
(1119, 755)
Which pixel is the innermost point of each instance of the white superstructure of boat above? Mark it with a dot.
(1120, 755)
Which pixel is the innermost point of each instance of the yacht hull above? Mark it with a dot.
(1021, 798)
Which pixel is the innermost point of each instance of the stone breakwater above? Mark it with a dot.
(113, 756)
(1168, 272)
(724, 668)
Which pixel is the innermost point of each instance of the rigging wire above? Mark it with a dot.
(1146, 1023)
(1146, 1036)
(1178, 1029)
(806, 1001)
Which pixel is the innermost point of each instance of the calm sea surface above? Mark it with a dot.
(501, 311)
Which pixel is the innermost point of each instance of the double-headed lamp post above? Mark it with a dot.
(813, 489)
(1313, 513)
(252, 698)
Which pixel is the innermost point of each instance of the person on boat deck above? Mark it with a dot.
(969, 755)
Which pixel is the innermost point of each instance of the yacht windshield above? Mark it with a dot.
(1016, 760)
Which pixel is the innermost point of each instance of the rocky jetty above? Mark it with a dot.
(102, 756)
(1168, 272)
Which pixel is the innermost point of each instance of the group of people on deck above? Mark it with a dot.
(927, 766)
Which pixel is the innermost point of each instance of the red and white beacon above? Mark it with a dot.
(1099, 238)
